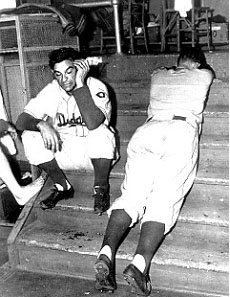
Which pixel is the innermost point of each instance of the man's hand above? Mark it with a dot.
(7, 128)
(82, 67)
(11, 130)
(50, 136)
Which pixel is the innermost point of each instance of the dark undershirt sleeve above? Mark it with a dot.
(27, 122)
(91, 114)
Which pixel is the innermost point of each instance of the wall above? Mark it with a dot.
(220, 6)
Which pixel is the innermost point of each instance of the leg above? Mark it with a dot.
(117, 227)
(175, 175)
(101, 196)
(62, 188)
(56, 174)
(21, 194)
(100, 147)
(44, 159)
(137, 273)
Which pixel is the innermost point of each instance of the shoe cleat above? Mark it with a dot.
(139, 282)
(101, 199)
(105, 276)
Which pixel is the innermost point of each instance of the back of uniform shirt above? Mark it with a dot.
(180, 91)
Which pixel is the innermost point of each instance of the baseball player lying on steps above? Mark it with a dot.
(66, 127)
(161, 167)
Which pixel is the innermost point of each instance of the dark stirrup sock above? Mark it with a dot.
(55, 173)
(102, 168)
(151, 236)
(117, 227)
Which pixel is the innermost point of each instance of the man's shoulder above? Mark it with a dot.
(93, 82)
(49, 88)
(159, 70)
(207, 74)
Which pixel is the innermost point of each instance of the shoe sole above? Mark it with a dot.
(99, 211)
(134, 286)
(102, 272)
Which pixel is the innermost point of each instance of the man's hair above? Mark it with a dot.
(194, 54)
(61, 54)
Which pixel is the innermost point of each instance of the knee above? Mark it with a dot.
(29, 138)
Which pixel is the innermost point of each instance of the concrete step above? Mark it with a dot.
(137, 92)
(190, 251)
(193, 257)
(129, 117)
(140, 67)
(208, 172)
(205, 204)
(212, 149)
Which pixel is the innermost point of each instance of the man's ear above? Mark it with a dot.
(196, 65)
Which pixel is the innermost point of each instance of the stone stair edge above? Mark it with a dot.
(217, 60)
(137, 109)
(119, 174)
(116, 178)
(160, 279)
(190, 213)
(138, 83)
(86, 243)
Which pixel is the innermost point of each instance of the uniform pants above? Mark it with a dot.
(160, 170)
(76, 152)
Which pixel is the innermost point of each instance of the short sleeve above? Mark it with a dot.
(45, 103)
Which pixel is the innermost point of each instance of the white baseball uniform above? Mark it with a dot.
(162, 154)
(79, 145)
(6, 140)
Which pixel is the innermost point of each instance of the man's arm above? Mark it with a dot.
(26, 121)
(91, 114)
(7, 128)
(49, 135)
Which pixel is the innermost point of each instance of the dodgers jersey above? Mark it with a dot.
(55, 102)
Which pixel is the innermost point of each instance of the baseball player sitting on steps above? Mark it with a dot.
(66, 127)
(161, 167)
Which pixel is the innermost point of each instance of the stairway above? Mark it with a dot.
(194, 256)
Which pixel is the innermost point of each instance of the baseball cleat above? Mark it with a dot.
(139, 282)
(105, 276)
(101, 199)
(56, 196)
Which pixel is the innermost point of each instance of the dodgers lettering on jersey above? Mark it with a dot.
(73, 125)
(68, 119)
(62, 121)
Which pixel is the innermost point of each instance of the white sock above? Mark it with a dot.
(139, 262)
(59, 187)
(106, 250)
(68, 185)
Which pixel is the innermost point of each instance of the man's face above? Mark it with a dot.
(65, 73)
